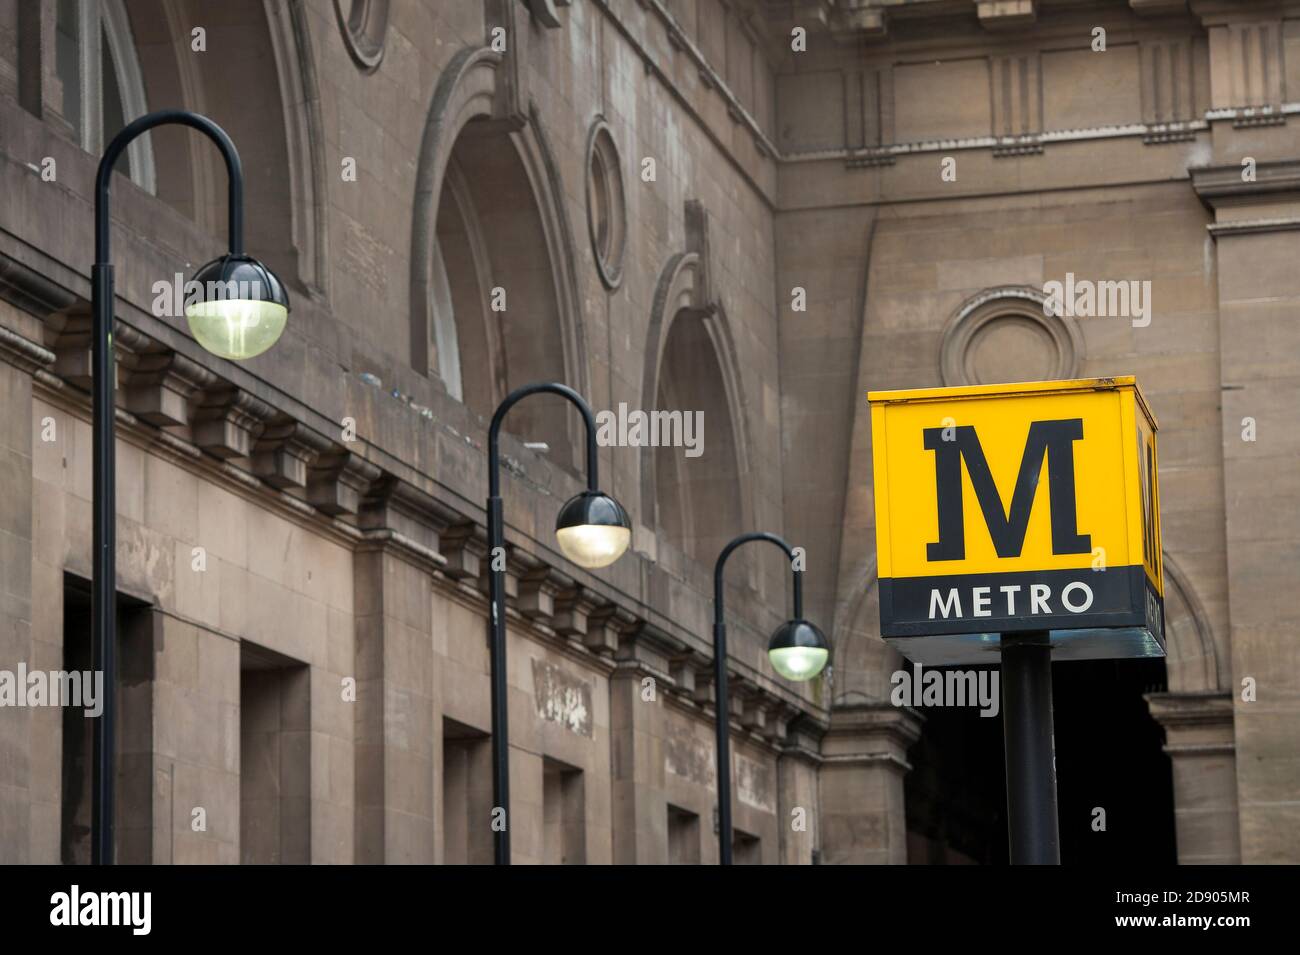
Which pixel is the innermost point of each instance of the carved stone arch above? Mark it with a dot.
(466, 91)
(295, 64)
(189, 175)
(476, 103)
(1192, 663)
(483, 344)
(681, 287)
(683, 292)
(548, 189)
(288, 229)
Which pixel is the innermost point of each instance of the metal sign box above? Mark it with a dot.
(1004, 508)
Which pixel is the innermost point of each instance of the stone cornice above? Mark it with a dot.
(24, 353)
(385, 538)
(159, 385)
(287, 458)
(226, 420)
(187, 455)
(1254, 226)
(871, 732)
(1223, 186)
(1216, 12)
(759, 714)
(798, 746)
(1196, 724)
(852, 21)
(710, 80)
(709, 76)
(1209, 708)
(338, 481)
(30, 291)
(285, 450)
(1152, 134)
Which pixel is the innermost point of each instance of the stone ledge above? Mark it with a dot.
(1219, 186)
(268, 453)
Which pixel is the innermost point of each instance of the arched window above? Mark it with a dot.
(489, 218)
(465, 348)
(698, 495)
(103, 89)
(606, 206)
(365, 26)
(494, 314)
(446, 346)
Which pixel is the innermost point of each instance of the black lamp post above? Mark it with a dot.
(238, 310)
(798, 651)
(593, 530)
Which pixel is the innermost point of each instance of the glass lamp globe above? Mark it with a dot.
(238, 309)
(593, 530)
(798, 650)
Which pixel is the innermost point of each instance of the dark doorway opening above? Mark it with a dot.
(274, 758)
(956, 792)
(133, 816)
(1109, 756)
(466, 794)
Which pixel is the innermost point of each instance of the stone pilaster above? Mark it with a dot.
(1199, 741)
(798, 787)
(637, 750)
(1254, 231)
(395, 733)
(15, 604)
(864, 753)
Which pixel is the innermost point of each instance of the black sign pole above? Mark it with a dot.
(1030, 748)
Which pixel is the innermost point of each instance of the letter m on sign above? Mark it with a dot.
(1053, 440)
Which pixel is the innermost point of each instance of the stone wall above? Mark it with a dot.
(301, 537)
(792, 204)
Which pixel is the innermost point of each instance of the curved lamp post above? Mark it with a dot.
(240, 317)
(593, 531)
(798, 651)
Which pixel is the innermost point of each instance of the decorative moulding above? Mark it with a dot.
(978, 315)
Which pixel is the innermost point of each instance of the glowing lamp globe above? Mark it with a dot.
(798, 650)
(593, 530)
(238, 309)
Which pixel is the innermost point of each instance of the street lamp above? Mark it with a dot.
(593, 531)
(236, 320)
(592, 528)
(246, 312)
(798, 651)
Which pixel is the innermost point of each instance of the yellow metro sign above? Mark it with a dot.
(1005, 508)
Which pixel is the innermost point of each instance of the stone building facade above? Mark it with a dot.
(757, 209)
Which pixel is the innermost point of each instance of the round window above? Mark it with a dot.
(364, 24)
(606, 212)
(1007, 334)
